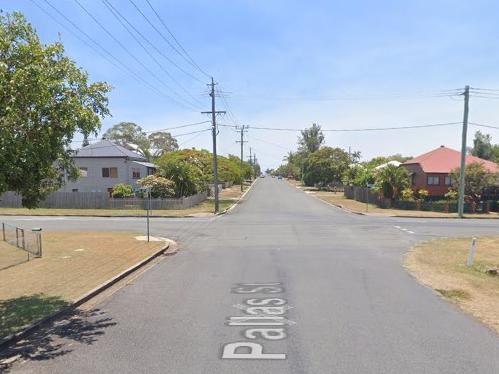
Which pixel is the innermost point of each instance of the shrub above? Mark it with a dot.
(451, 195)
(407, 194)
(160, 187)
(122, 190)
(423, 194)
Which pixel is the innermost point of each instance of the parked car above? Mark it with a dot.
(279, 177)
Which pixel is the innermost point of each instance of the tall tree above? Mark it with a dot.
(162, 142)
(131, 136)
(482, 146)
(325, 166)
(477, 179)
(311, 139)
(45, 100)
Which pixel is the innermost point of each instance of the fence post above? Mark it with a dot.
(3, 231)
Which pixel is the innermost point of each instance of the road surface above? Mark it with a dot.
(283, 284)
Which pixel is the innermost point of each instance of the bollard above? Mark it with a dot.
(38, 233)
(471, 252)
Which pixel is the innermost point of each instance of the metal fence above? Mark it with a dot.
(29, 241)
(101, 200)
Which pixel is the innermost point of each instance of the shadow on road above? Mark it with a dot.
(54, 338)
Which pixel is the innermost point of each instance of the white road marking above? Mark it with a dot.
(404, 229)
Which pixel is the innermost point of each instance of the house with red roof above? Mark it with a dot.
(432, 170)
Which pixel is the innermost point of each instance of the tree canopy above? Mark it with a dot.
(311, 139)
(132, 136)
(325, 166)
(476, 179)
(483, 147)
(45, 100)
(162, 142)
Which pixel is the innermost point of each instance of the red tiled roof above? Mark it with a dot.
(444, 160)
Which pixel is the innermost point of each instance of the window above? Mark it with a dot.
(83, 171)
(433, 180)
(135, 173)
(109, 172)
(448, 180)
(74, 190)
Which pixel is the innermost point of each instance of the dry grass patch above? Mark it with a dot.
(207, 207)
(232, 193)
(11, 255)
(73, 264)
(441, 265)
(339, 199)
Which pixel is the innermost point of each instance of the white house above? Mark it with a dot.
(105, 164)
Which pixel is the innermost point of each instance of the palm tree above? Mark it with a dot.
(391, 180)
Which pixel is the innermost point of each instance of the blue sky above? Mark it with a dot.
(342, 64)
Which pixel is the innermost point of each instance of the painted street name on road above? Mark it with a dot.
(264, 318)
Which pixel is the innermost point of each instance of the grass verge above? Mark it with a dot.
(441, 265)
(73, 264)
(227, 197)
(339, 199)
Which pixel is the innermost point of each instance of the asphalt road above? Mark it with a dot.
(333, 298)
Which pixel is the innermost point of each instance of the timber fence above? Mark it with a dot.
(101, 200)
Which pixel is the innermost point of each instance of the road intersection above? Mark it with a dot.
(342, 303)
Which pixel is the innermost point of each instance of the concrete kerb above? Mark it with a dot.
(170, 248)
(330, 204)
(238, 200)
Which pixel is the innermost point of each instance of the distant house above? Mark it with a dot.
(105, 164)
(431, 171)
(393, 162)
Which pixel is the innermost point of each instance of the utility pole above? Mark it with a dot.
(463, 151)
(251, 163)
(242, 141)
(214, 136)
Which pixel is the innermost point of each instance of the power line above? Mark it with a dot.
(270, 143)
(176, 41)
(117, 41)
(357, 130)
(194, 137)
(134, 74)
(166, 39)
(231, 115)
(173, 135)
(77, 36)
(137, 77)
(177, 127)
(116, 13)
(484, 89)
(483, 125)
